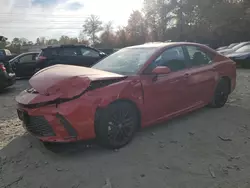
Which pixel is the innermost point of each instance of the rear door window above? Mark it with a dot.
(172, 58)
(87, 52)
(68, 52)
(198, 56)
(26, 59)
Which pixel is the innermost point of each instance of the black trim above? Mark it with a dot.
(72, 132)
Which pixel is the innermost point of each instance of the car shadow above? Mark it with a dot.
(180, 149)
(23, 78)
(8, 90)
(85, 147)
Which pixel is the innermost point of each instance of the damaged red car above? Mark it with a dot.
(135, 87)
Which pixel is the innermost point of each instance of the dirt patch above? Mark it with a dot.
(207, 148)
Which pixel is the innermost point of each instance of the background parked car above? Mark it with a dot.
(241, 56)
(233, 49)
(6, 55)
(233, 45)
(24, 65)
(227, 47)
(80, 55)
(108, 51)
(7, 76)
(222, 48)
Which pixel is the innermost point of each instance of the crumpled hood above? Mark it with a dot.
(67, 81)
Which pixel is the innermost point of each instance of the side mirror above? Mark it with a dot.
(161, 70)
(102, 54)
(16, 61)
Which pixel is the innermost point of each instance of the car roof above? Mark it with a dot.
(164, 44)
(26, 53)
(69, 45)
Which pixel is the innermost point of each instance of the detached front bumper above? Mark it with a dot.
(67, 122)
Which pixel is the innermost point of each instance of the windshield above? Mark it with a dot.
(244, 49)
(127, 61)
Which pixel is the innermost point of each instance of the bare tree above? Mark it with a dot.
(107, 38)
(91, 27)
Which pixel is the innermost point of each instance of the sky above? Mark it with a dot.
(52, 18)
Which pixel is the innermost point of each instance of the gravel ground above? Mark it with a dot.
(207, 148)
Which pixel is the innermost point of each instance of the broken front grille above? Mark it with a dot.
(39, 126)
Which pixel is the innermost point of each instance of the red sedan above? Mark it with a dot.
(135, 87)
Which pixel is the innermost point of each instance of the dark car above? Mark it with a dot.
(108, 51)
(135, 87)
(24, 65)
(6, 55)
(80, 55)
(241, 56)
(7, 76)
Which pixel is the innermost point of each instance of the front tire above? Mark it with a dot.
(116, 125)
(221, 94)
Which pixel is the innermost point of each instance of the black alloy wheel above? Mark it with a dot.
(221, 94)
(117, 125)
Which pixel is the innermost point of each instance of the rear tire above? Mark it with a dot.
(116, 125)
(221, 94)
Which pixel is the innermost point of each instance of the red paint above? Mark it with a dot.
(158, 98)
(2, 67)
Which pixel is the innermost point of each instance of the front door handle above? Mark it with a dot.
(186, 75)
(155, 78)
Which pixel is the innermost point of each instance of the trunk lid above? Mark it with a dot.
(67, 81)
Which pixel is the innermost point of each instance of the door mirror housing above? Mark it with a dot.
(102, 54)
(161, 70)
(17, 61)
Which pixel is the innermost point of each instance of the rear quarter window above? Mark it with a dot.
(68, 51)
(49, 52)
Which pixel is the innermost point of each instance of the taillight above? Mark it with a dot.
(2, 67)
(42, 57)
